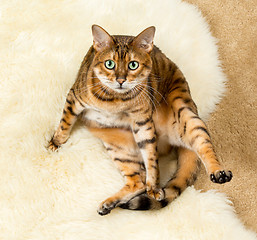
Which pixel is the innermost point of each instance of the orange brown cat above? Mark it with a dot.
(137, 101)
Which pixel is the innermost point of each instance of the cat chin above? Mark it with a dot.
(117, 89)
(122, 90)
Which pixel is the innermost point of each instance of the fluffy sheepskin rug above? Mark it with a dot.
(47, 195)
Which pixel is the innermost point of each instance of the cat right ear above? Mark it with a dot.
(101, 38)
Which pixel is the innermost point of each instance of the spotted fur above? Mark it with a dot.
(138, 114)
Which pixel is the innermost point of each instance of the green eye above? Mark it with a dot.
(133, 65)
(109, 64)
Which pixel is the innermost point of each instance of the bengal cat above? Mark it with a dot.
(137, 101)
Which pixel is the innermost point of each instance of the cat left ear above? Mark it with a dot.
(101, 38)
(144, 39)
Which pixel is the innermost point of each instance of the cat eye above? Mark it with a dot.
(133, 65)
(109, 64)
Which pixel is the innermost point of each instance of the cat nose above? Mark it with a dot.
(120, 80)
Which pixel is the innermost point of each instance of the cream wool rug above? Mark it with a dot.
(47, 195)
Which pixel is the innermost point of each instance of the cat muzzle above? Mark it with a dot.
(120, 81)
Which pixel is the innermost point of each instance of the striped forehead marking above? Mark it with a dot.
(122, 45)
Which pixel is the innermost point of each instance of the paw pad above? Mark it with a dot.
(221, 176)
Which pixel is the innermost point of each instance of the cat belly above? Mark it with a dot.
(104, 119)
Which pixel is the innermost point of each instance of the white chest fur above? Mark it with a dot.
(106, 119)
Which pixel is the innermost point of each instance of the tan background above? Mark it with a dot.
(233, 125)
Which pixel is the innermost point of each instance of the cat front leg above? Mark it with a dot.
(72, 108)
(146, 139)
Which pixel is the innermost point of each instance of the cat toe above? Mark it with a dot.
(103, 211)
(221, 176)
(106, 207)
(159, 195)
(52, 146)
(155, 193)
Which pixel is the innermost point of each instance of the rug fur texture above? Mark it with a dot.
(46, 195)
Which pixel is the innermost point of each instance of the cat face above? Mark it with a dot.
(122, 63)
(122, 72)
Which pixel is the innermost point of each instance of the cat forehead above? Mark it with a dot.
(122, 44)
(122, 39)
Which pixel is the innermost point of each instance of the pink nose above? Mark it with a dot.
(121, 80)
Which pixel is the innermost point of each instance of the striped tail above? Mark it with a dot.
(186, 174)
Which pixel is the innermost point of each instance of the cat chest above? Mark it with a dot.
(106, 119)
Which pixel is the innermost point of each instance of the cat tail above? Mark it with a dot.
(173, 188)
(144, 202)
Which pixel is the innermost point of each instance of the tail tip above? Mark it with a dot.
(143, 202)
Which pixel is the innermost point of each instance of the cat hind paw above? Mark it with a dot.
(106, 207)
(155, 193)
(221, 176)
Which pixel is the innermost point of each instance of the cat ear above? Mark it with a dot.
(101, 39)
(145, 39)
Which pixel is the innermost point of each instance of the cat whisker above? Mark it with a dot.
(86, 88)
(139, 99)
(146, 95)
(148, 92)
(89, 87)
(153, 99)
(156, 91)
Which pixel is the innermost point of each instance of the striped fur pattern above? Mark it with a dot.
(137, 101)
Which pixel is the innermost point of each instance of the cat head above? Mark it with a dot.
(122, 62)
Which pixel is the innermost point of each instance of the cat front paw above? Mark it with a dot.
(222, 176)
(52, 146)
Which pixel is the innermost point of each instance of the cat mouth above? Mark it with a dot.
(121, 87)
